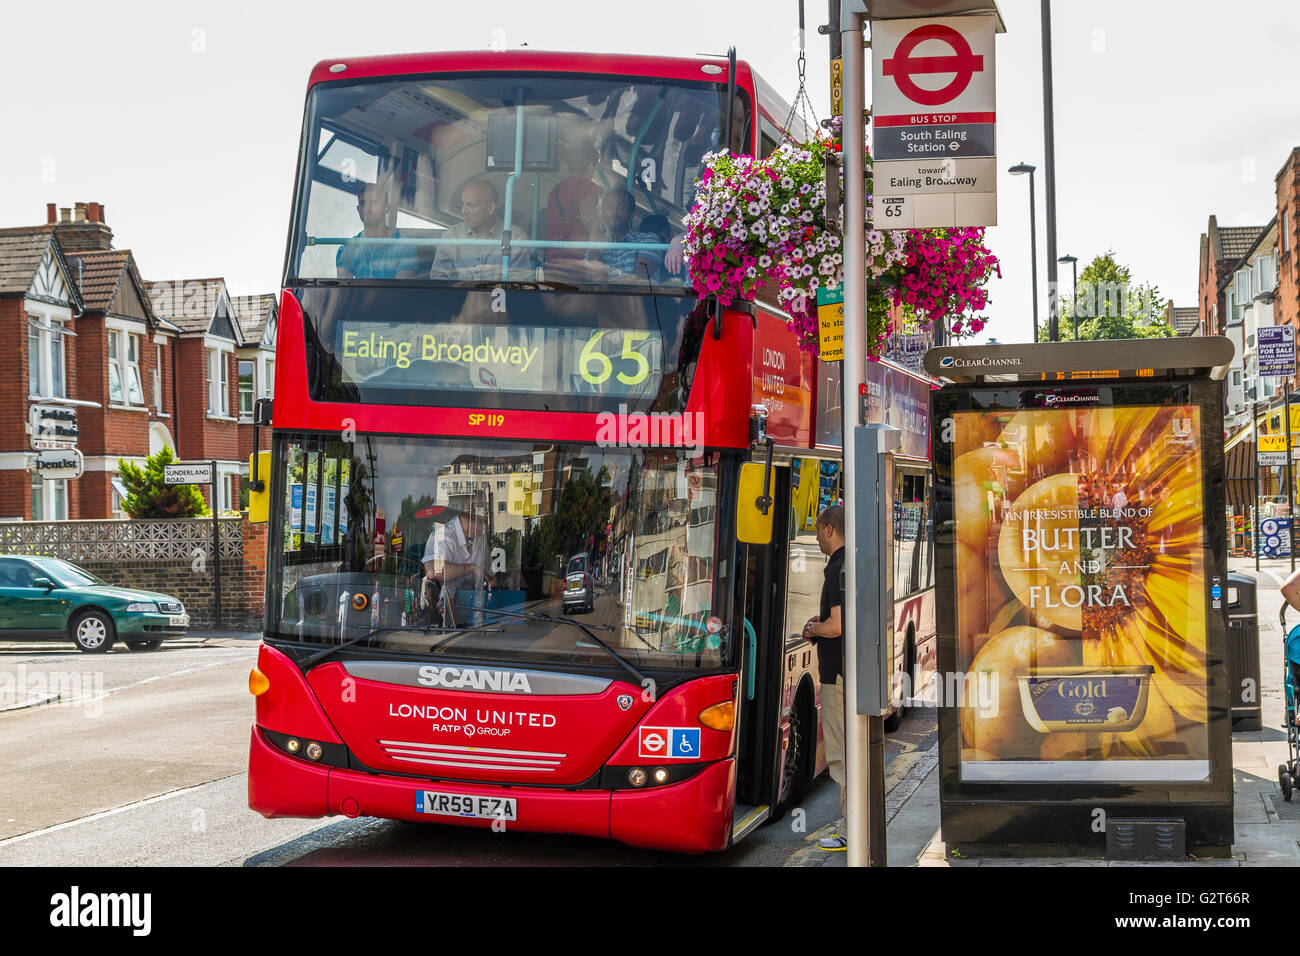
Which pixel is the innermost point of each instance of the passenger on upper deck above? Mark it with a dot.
(571, 207)
(478, 206)
(616, 215)
(363, 261)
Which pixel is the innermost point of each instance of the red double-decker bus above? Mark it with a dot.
(504, 583)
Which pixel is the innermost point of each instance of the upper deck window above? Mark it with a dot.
(576, 181)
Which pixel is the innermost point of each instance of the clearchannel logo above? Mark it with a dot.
(1071, 398)
(986, 361)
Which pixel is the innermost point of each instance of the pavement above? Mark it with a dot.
(1267, 827)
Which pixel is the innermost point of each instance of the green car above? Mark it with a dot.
(50, 599)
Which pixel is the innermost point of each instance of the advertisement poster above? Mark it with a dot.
(1081, 593)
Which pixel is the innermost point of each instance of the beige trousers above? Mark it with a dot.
(833, 734)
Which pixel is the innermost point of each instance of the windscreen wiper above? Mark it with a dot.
(585, 628)
(352, 641)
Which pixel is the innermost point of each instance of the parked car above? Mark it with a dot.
(50, 599)
(579, 586)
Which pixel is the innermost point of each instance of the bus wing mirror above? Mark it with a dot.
(752, 525)
(259, 498)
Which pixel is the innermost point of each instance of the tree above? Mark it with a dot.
(148, 494)
(1111, 306)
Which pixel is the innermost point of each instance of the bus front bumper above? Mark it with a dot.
(693, 816)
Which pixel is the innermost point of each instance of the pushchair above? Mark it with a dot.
(1288, 776)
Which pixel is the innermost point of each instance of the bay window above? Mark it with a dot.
(218, 379)
(47, 355)
(124, 383)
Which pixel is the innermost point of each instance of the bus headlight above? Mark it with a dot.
(661, 775)
(637, 777)
(314, 750)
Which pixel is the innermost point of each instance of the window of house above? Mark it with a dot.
(269, 384)
(115, 391)
(246, 388)
(218, 383)
(46, 356)
(157, 378)
(1286, 233)
(1236, 378)
(119, 493)
(49, 499)
(124, 387)
(134, 389)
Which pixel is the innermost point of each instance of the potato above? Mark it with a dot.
(1040, 558)
(1001, 729)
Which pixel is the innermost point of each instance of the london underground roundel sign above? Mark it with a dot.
(962, 65)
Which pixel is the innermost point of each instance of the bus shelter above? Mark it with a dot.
(1081, 579)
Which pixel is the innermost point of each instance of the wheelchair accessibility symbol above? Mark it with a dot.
(685, 742)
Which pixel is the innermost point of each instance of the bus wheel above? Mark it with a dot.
(794, 776)
(895, 720)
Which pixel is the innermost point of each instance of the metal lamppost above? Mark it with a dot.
(1073, 262)
(1019, 170)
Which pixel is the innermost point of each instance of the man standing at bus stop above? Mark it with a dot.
(826, 633)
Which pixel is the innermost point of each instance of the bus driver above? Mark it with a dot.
(454, 553)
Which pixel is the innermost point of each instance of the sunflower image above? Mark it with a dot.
(1095, 537)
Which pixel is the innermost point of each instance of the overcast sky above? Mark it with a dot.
(183, 118)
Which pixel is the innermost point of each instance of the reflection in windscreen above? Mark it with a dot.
(549, 178)
(438, 548)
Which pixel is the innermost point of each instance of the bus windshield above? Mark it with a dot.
(571, 180)
(414, 543)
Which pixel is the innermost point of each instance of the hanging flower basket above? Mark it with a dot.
(761, 224)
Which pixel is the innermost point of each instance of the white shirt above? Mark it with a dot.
(447, 544)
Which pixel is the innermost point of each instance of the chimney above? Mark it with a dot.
(84, 229)
(51, 213)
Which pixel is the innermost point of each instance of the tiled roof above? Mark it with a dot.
(98, 274)
(187, 303)
(20, 254)
(1186, 320)
(1235, 241)
(252, 311)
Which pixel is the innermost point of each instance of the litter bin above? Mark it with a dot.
(1243, 652)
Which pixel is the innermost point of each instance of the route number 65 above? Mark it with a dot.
(597, 367)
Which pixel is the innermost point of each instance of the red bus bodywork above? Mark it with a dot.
(560, 749)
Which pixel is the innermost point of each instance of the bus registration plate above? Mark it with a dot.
(465, 805)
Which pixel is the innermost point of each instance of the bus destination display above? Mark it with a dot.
(508, 358)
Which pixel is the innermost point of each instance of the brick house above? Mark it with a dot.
(207, 420)
(256, 316)
(1221, 249)
(125, 361)
(1184, 321)
(96, 347)
(38, 305)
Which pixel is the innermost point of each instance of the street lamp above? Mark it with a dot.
(1019, 170)
(1073, 262)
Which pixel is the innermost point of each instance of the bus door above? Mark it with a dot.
(762, 603)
